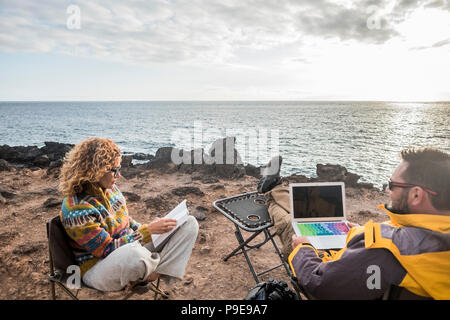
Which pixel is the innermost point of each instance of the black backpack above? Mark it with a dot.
(271, 290)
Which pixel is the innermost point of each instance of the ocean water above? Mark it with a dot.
(365, 137)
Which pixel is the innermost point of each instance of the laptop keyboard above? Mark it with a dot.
(323, 229)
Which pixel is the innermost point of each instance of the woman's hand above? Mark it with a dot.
(159, 225)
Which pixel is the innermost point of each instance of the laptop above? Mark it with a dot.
(318, 213)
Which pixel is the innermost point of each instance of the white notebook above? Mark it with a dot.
(180, 213)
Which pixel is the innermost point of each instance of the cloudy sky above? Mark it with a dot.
(225, 50)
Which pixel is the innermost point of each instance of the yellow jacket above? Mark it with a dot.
(420, 244)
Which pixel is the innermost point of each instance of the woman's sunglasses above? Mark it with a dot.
(116, 171)
(392, 184)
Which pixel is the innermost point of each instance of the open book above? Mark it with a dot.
(180, 213)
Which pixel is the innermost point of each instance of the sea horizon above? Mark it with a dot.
(235, 100)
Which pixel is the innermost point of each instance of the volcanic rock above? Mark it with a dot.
(131, 196)
(52, 202)
(5, 166)
(28, 247)
(183, 191)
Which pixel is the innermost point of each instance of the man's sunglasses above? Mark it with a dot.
(116, 171)
(392, 184)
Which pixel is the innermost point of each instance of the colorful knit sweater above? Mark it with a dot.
(97, 222)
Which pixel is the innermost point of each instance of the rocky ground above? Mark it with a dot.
(29, 198)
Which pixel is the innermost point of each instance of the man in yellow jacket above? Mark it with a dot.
(411, 250)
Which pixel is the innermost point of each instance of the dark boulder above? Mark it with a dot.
(251, 170)
(41, 161)
(143, 156)
(298, 178)
(131, 196)
(227, 161)
(56, 150)
(164, 155)
(55, 164)
(32, 156)
(28, 247)
(331, 172)
(126, 161)
(209, 179)
(5, 166)
(52, 202)
(19, 154)
(157, 203)
(336, 172)
(7, 194)
(184, 191)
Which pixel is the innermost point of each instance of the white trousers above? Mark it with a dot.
(133, 262)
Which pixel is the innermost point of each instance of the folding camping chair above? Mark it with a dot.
(248, 212)
(61, 257)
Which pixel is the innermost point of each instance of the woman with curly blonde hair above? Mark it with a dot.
(112, 250)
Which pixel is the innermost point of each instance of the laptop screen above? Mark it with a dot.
(317, 201)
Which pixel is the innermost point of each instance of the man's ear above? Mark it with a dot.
(417, 196)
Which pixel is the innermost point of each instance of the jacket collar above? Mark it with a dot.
(439, 223)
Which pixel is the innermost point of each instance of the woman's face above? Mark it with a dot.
(108, 179)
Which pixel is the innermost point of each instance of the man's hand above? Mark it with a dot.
(159, 225)
(352, 225)
(296, 240)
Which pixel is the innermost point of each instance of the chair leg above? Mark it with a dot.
(157, 287)
(52, 290)
(68, 291)
(157, 290)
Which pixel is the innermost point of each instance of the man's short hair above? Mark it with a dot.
(430, 168)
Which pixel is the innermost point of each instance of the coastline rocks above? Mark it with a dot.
(253, 171)
(228, 162)
(336, 172)
(5, 166)
(142, 156)
(223, 160)
(32, 156)
(19, 154)
(126, 161)
(162, 158)
(55, 150)
(41, 161)
(295, 178)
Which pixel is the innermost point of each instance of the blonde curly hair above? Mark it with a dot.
(88, 161)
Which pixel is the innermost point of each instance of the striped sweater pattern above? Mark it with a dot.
(97, 223)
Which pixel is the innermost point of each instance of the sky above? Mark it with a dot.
(390, 50)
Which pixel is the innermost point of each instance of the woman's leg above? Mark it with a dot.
(176, 252)
(127, 264)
